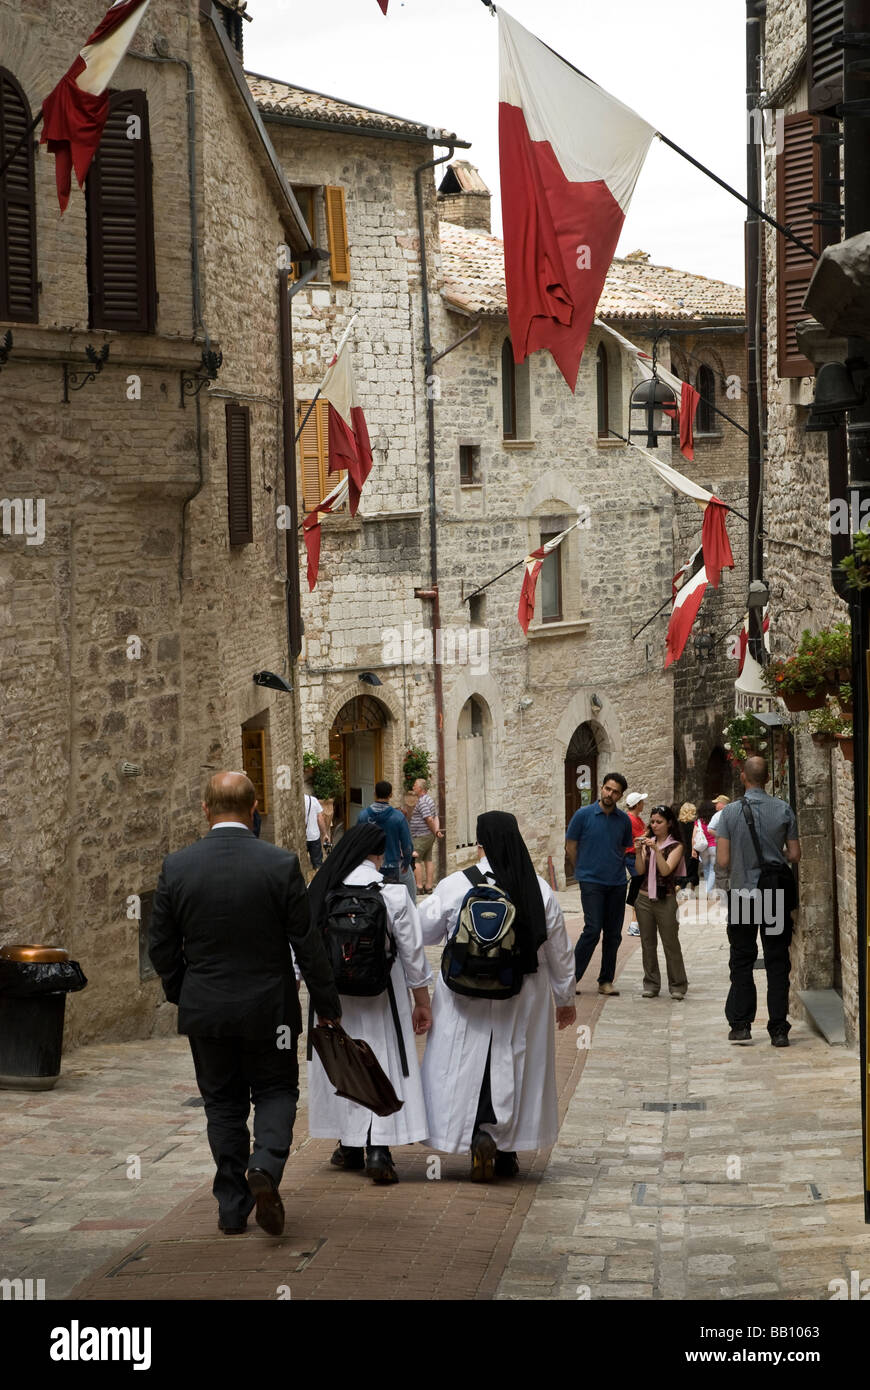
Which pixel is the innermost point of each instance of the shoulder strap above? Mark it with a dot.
(750, 821)
(474, 876)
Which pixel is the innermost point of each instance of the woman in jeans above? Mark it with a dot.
(707, 855)
(660, 858)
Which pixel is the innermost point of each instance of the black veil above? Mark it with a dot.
(511, 863)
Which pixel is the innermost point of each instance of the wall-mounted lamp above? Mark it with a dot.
(369, 678)
(759, 594)
(273, 682)
(704, 645)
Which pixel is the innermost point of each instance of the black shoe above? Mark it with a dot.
(349, 1158)
(779, 1039)
(269, 1214)
(506, 1165)
(740, 1035)
(232, 1228)
(379, 1166)
(483, 1152)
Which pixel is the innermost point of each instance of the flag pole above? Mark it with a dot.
(313, 402)
(753, 207)
(517, 563)
(21, 143)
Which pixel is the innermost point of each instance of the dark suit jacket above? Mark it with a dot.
(226, 912)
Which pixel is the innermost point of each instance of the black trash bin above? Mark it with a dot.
(34, 983)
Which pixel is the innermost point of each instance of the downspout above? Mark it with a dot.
(754, 18)
(432, 591)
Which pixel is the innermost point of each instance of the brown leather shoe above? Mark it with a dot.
(607, 988)
(269, 1214)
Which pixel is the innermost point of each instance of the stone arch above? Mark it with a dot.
(608, 735)
(552, 486)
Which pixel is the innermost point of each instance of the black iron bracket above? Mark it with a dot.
(74, 381)
(193, 382)
(6, 348)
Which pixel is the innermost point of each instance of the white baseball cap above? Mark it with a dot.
(634, 798)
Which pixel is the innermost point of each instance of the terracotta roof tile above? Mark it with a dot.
(282, 98)
(473, 281)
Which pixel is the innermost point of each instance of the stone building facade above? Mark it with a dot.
(798, 547)
(130, 633)
(582, 693)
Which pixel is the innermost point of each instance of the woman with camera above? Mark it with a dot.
(660, 862)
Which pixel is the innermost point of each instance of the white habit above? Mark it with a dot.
(331, 1117)
(523, 1065)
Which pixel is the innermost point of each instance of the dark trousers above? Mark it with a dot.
(741, 1003)
(232, 1074)
(315, 852)
(603, 912)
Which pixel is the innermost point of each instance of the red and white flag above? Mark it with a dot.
(690, 582)
(383, 4)
(311, 526)
(74, 114)
(526, 610)
(714, 536)
(570, 156)
(349, 447)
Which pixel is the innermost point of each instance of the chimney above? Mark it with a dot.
(464, 198)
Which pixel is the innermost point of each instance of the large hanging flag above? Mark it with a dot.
(349, 448)
(311, 526)
(570, 155)
(690, 583)
(714, 536)
(526, 610)
(74, 114)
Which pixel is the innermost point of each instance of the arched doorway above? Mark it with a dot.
(356, 743)
(581, 774)
(718, 775)
(473, 767)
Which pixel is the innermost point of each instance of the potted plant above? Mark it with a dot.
(815, 670)
(416, 765)
(844, 697)
(744, 736)
(856, 565)
(824, 725)
(325, 780)
(845, 738)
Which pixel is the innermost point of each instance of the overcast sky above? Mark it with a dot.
(679, 63)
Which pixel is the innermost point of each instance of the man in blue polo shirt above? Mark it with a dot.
(595, 843)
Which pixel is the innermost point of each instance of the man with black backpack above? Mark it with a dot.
(371, 932)
(751, 834)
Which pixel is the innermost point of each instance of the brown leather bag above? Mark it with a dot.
(354, 1070)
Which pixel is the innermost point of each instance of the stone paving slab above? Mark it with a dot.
(757, 1196)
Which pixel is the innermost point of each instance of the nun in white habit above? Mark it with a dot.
(489, 1075)
(356, 861)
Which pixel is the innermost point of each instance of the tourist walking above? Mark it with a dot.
(425, 829)
(758, 830)
(226, 913)
(661, 861)
(489, 1074)
(704, 844)
(385, 1020)
(634, 804)
(686, 817)
(315, 829)
(595, 845)
(399, 852)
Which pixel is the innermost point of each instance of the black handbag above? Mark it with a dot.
(353, 1069)
(775, 875)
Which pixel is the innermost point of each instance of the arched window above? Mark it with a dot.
(603, 386)
(473, 767)
(508, 391)
(18, 292)
(705, 385)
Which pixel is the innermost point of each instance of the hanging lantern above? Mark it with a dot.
(653, 407)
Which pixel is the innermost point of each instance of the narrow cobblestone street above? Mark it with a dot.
(684, 1169)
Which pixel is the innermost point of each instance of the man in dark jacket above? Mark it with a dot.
(226, 913)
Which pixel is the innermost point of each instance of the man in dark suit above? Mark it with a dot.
(226, 912)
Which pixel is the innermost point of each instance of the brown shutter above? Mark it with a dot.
(805, 172)
(18, 292)
(314, 454)
(239, 506)
(121, 279)
(336, 228)
(254, 764)
(824, 60)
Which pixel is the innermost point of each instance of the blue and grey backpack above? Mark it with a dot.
(481, 958)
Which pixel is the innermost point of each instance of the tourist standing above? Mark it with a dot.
(661, 861)
(595, 844)
(425, 829)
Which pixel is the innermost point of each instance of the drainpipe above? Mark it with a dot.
(432, 591)
(754, 18)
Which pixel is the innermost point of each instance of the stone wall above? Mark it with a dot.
(131, 634)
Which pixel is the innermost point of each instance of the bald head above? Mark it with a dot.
(755, 771)
(230, 796)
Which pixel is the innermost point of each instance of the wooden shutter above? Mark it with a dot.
(121, 279)
(314, 453)
(824, 61)
(254, 763)
(805, 172)
(336, 230)
(18, 292)
(239, 507)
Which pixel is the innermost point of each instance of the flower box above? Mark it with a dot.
(796, 703)
(847, 747)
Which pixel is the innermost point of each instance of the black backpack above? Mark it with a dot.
(360, 948)
(481, 959)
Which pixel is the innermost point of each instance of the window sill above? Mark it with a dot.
(511, 444)
(604, 443)
(471, 487)
(560, 629)
(712, 434)
(409, 514)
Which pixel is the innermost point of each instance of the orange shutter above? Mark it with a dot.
(805, 178)
(314, 454)
(336, 228)
(254, 763)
